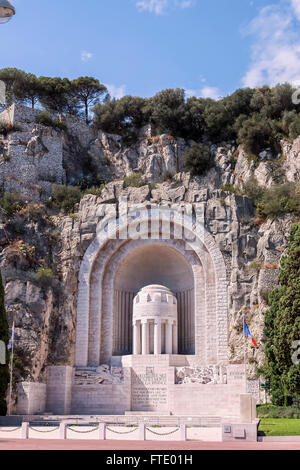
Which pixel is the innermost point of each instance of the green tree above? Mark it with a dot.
(282, 326)
(87, 91)
(167, 110)
(4, 336)
(13, 78)
(198, 159)
(121, 116)
(56, 95)
(28, 89)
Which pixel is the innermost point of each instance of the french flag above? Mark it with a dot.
(247, 333)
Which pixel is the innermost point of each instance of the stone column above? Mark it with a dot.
(175, 338)
(169, 338)
(145, 337)
(157, 337)
(136, 339)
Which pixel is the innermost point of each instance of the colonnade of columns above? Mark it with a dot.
(165, 337)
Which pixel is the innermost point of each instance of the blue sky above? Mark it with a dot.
(139, 47)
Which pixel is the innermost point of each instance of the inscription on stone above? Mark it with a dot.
(149, 390)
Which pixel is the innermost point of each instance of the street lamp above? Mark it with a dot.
(7, 11)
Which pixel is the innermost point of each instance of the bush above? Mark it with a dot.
(94, 191)
(229, 188)
(253, 190)
(66, 197)
(6, 128)
(278, 200)
(45, 277)
(135, 180)
(198, 159)
(35, 212)
(257, 134)
(4, 336)
(11, 203)
(45, 119)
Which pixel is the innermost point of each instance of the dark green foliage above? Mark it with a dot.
(13, 79)
(4, 336)
(257, 134)
(253, 190)
(257, 118)
(282, 326)
(45, 277)
(56, 95)
(198, 159)
(66, 197)
(87, 92)
(11, 203)
(45, 119)
(167, 110)
(135, 181)
(278, 200)
(276, 412)
(121, 116)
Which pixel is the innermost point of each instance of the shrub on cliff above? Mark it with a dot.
(45, 119)
(282, 326)
(135, 180)
(11, 203)
(198, 159)
(66, 197)
(45, 277)
(278, 200)
(4, 336)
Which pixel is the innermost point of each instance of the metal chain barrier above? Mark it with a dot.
(83, 432)
(10, 430)
(118, 432)
(162, 433)
(48, 430)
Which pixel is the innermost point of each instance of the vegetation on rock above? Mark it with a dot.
(282, 326)
(4, 336)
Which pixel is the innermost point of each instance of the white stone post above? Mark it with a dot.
(136, 339)
(169, 338)
(145, 337)
(175, 338)
(63, 431)
(142, 432)
(102, 431)
(25, 431)
(157, 337)
(183, 432)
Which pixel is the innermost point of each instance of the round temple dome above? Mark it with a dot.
(154, 301)
(155, 321)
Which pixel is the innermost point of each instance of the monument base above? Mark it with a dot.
(154, 385)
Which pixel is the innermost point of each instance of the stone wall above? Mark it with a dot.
(31, 398)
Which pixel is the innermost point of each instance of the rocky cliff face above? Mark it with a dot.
(34, 157)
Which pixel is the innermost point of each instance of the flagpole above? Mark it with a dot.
(245, 354)
(11, 368)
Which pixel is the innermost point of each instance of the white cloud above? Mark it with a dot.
(86, 56)
(159, 7)
(205, 92)
(296, 7)
(276, 48)
(116, 92)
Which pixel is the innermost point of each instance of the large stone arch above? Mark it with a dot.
(100, 263)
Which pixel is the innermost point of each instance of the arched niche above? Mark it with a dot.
(96, 295)
(153, 264)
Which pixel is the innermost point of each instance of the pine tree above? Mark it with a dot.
(4, 336)
(282, 326)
